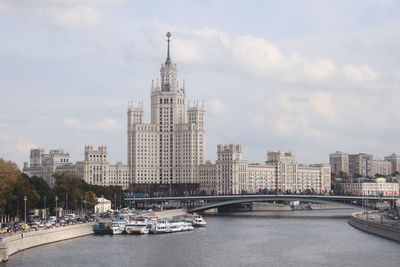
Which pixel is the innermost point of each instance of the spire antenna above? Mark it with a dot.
(168, 61)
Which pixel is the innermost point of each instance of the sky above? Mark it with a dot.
(306, 76)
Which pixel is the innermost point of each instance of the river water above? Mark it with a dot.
(301, 238)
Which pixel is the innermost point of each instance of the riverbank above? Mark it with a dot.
(371, 223)
(18, 241)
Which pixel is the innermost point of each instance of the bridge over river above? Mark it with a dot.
(201, 203)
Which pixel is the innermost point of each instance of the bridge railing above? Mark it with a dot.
(262, 192)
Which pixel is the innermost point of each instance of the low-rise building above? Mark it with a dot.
(103, 205)
(369, 187)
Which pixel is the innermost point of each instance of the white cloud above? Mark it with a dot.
(360, 74)
(260, 58)
(24, 145)
(321, 103)
(54, 3)
(105, 125)
(80, 16)
(216, 107)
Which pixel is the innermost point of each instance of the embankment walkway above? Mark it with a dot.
(21, 241)
(371, 223)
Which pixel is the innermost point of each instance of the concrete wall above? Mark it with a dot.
(16, 243)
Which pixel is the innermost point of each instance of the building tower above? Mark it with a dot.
(170, 148)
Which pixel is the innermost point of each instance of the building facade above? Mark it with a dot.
(380, 186)
(339, 162)
(361, 164)
(44, 165)
(232, 174)
(382, 167)
(95, 169)
(394, 159)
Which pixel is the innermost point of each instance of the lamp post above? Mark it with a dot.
(56, 206)
(86, 202)
(81, 205)
(66, 203)
(44, 207)
(18, 209)
(381, 207)
(25, 198)
(115, 201)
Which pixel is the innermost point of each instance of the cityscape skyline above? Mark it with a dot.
(330, 87)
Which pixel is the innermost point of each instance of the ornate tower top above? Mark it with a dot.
(168, 62)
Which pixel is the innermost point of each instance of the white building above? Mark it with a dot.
(233, 174)
(380, 186)
(95, 169)
(171, 147)
(103, 205)
(45, 165)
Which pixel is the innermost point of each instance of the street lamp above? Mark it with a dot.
(66, 203)
(25, 198)
(81, 205)
(115, 201)
(56, 206)
(44, 206)
(86, 201)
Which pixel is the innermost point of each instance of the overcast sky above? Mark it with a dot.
(309, 76)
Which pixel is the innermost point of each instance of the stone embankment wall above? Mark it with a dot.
(374, 227)
(16, 243)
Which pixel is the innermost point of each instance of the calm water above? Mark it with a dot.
(283, 239)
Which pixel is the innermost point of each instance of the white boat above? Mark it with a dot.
(139, 226)
(117, 227)
(170, 226)
(198, 221)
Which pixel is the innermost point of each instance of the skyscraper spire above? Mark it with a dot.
(168, 62)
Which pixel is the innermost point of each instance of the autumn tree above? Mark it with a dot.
(9, 173)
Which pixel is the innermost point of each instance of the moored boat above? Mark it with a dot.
(101, 228)
(117, 226)
(170, 226)
(139, 226)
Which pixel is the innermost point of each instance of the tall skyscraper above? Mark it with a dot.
(171, 147)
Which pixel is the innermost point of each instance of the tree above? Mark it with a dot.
(21, 189)
(9, 174)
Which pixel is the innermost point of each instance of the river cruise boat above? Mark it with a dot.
(170, 226)
(139, 226)
(118, 226)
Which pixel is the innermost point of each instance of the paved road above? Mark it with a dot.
(376, 218)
